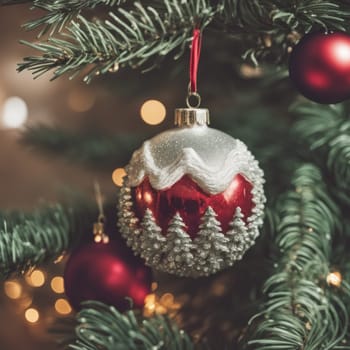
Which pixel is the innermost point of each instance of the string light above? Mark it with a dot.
(57, 284)
(32, 315)
(334, 279)
(14, 112)
(13, 289)
(36, 278)
(159, 306)
(218, 289)
(62, 307)
(153, 112)
(118, 175)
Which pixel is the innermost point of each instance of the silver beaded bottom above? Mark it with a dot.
(175, 252)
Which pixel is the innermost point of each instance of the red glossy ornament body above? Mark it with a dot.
(320, 67)
(108, 273)
(191, 202)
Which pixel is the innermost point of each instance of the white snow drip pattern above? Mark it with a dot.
(212, 180)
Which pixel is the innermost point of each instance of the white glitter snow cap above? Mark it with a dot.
(210, 157)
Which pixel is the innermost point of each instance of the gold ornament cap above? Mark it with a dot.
(191, 116)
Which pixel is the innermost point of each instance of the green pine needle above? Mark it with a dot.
(103, 327)
(27, 240)
(301, 311)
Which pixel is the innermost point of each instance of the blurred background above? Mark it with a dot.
(30, 304)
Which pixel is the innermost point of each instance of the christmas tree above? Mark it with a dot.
(276, 75)
(211, 242)
(179, 244)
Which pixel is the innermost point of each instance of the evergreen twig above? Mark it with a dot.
(103, 327)
(301, 311)
(325, 130)
(128, 38)
(61, 12)
(27, 240)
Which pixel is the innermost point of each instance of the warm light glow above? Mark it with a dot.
(165, 304)
(148, 198)
(118, 175)
(249, 71)
(32, 315)
(167, 299)
(13, 289)
(14, 112)
(36, 278)
(98, 239)
(57, 284)
(153, 112)
(62, 307)
(80, 100)
(218, 289)
(334, 279)
(150, 305)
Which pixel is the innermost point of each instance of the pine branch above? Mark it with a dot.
(325, 130)
(103, 327)
(92, 149)
(62, 12)
(301, 311)
(27, 240)
(268, 29)
(129, 38)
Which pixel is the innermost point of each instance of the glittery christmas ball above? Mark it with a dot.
(319, 66)
(192, 201)
(108, 273)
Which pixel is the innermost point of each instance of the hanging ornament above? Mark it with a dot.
(192, 200)
(106, 271)
(319, 67)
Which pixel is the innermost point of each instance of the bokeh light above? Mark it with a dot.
(57, 284)
(118, 175)
(13, 289)
(14, 112)
(153, 112)
(36, 278)
(334, 279)
(32, 315)
(62, 307)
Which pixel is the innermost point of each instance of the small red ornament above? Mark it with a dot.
(108, 273)
(320, 67)
(191, 202)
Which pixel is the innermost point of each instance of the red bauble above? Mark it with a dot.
(320, 67)
(191, 202)
(108, 273)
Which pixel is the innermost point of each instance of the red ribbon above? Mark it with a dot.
(194, 60)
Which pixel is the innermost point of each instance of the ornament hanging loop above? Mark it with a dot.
(193, 99)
